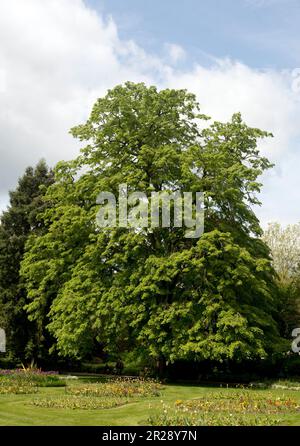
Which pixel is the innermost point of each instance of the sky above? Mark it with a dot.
(58, 56)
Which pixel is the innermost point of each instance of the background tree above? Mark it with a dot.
(153, 290)
(285, 248)
(19, 221)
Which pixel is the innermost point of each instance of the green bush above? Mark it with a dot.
(48, 381)
(102, 368)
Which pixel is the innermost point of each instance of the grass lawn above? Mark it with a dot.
(16, 410)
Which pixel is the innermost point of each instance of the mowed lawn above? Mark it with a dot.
(16, 410)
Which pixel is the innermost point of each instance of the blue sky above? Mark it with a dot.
(58, 56)
(261, 33)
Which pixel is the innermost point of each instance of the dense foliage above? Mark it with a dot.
(21, 219)
(154, 291)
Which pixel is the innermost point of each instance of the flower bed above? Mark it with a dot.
(242, 408)
(122, 387)
(79, 402)
(29, 378)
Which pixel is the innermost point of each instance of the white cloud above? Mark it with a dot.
(266, 100)
(265, 3)
(175, 52)
(58, 56)
(2, 81)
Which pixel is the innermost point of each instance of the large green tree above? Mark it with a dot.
(19, 221)
(153, 290)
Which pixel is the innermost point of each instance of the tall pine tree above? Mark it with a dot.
(18, 222)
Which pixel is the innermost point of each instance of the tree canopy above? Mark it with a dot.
(153, 290)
